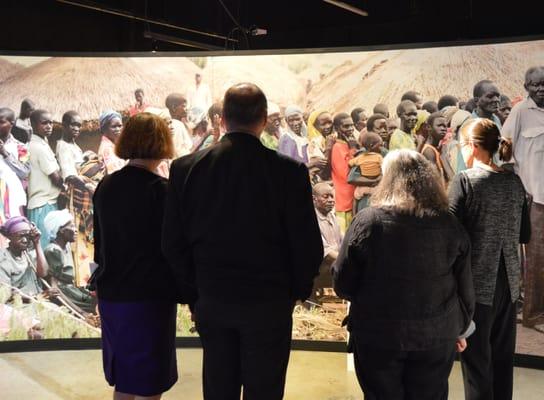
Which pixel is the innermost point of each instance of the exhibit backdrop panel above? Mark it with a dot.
(331, 81)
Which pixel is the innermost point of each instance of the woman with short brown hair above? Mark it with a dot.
(135, 286)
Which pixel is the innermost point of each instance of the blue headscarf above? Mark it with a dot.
(106, 117)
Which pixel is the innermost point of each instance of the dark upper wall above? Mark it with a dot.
(47, 25)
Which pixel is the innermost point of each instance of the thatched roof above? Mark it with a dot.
(8, 68)
(279, 84)
(383, 76)
(91, 85)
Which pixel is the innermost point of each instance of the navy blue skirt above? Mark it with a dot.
(138, 346)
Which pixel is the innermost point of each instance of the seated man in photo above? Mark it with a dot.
(323, 195)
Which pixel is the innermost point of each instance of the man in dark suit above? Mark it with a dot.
(241, 227)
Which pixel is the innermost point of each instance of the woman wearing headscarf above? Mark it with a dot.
(421, 130)
(490, 202)
(61, 232)
(404, 265)
(134, 284)
(111, 123)
(202, 138)
(270, 137)
(21, 267)
(453, 145)
(294, 142)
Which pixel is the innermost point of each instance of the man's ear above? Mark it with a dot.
(264, 121)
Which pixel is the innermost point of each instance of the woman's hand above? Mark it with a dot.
(51, 293)
(461, 345)
(34, 234)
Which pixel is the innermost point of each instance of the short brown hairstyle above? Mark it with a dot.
(145, 136)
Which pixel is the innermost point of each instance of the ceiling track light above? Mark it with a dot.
(121, 13)
(347, 7)
(179, 41)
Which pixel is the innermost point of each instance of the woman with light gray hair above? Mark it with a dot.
(404, 265)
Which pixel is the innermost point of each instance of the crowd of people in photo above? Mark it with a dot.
(46, 193)
(425, 215)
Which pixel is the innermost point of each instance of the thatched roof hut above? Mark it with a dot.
(8, 69)
(279, 84)
(91, 85)
(382, 77)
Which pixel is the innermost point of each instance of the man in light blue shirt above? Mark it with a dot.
(525, 126)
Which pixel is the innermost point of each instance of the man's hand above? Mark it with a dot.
(461, 345)
(317, 162)
(330, 141)
(352, 142)
(76, 181)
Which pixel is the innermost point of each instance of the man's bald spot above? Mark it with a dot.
(244, 105)
(243, 90)
(320, 188)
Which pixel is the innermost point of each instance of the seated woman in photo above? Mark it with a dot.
(22, 263)
(404, 265)
(62, 232)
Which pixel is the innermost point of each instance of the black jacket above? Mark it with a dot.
(408, 278)
(492, 208)
(128, 214)
(240, 224)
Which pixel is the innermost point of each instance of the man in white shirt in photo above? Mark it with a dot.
(199, 94)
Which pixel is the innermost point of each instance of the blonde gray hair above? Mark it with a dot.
(410, 185)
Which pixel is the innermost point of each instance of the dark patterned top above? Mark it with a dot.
(408, 279)
(493, 209)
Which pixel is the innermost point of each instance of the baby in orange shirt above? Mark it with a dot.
(370, 161)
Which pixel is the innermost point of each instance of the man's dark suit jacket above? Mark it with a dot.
(240, 225)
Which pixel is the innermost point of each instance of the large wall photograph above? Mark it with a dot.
(89, 99)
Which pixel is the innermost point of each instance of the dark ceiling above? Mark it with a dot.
(49, 25)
